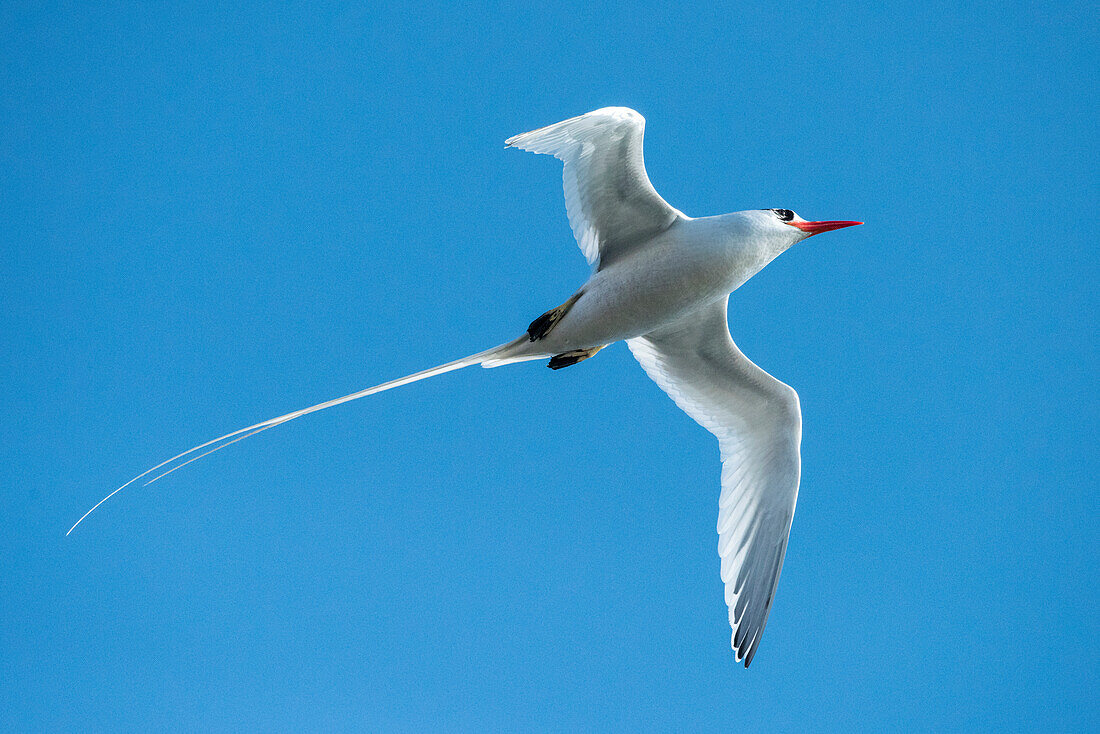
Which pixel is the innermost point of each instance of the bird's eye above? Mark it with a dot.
(784, 215)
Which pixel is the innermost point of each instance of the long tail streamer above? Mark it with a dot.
(491, 357)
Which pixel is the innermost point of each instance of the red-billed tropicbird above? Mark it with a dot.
(660, 281)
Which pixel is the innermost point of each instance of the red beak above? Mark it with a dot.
(819, 227)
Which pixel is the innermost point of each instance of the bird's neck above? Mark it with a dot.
(745, 247)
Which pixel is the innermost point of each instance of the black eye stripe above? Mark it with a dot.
(785, 215)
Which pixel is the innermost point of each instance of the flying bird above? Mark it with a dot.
(660, 281)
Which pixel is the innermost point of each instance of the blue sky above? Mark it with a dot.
(213, 216)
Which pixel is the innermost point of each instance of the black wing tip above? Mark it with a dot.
(744, 645)
(744, 657)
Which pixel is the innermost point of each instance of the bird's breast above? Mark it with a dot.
(634, 296)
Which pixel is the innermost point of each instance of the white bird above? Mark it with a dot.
(660, 281)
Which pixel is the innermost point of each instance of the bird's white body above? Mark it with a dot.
(694, 263)
(660, 281)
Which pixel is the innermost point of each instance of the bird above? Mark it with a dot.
(660, 281)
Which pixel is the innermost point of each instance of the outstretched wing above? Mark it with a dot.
(759, 427)
(612, 206)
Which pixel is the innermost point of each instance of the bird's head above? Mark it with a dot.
(785, 225)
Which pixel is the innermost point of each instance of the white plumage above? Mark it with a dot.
(759, 427)
(612, 206)
(661, 282)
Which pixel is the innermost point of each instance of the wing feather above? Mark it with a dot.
(611, 204)
(758, 423)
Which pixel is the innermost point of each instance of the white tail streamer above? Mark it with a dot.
(490, 358)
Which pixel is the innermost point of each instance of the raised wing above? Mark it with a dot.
(612, 206)
(759, 427)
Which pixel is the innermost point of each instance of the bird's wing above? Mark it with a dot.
(758, 423)
(612, 206)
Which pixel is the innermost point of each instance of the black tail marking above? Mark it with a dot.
(566, 359)
(542, 326)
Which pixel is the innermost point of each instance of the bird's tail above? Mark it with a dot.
(495, 357)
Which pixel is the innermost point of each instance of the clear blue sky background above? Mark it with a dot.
(210, 217)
